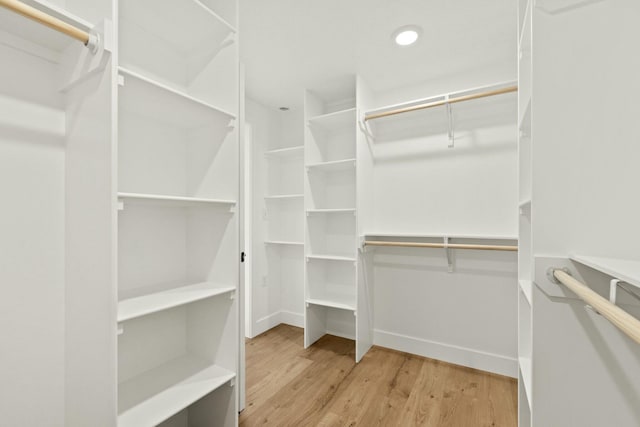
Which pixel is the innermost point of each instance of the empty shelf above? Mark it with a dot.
(327, 211)
(333, 304)
(169, 20)
(333, 166)
(440, 236)
(284, 196)
(332, 257)
(151, 398)
(150, 98)
(283, 242)
(141, 306)
(622, 269)
(173, 201)
(335, 121)
(286, 152)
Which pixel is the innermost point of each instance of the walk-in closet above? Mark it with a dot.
(226, 213)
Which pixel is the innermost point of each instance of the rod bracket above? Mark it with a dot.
(450, 122)
(552, 278)
(364, 126)
(449, 254)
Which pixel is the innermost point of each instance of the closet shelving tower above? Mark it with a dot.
(177, 222)
(525, 244)
(331, 221)
(284, 216)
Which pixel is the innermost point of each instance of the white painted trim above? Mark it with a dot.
(489, 362)
(277, 318)
(262, 325)
(291, 318)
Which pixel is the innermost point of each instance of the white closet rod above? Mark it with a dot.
(463, 98)
(48, 20)
(614, 314)
(442, 245)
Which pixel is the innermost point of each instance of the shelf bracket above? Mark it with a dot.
(120, 329)
(232, 382)
(232, 295)
(449, 254)
(450, 122)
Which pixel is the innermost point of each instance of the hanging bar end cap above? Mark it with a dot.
(93, 42)
(552, 277)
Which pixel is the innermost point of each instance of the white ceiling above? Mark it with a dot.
(289, 45)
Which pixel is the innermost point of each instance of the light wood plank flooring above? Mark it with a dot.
(322, 386)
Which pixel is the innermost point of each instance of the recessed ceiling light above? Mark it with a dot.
(407, 35)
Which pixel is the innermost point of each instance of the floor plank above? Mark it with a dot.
(322, 386)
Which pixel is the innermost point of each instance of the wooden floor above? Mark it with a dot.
(322, 386)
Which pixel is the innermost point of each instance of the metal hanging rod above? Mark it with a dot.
(447, 100)
(57, 24)
(442, 245)
(614, 314)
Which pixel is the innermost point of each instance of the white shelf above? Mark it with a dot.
(441, 236)
(150, 98)
(560, 6)
(141, 306)
(297, 151)
(526, 371)
(14, 26)
(284, 196)
(330, 211)
(335, 121)
(332, 304)
(622, 269)
(333, 166)
(283, 242)
(169, 20)
(156, 395)
(526, 286)
(332, 257)
(173, 201)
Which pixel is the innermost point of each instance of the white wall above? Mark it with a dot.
(421, 186)
(32, 246)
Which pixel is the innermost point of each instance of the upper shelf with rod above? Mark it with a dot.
(439, 110)
(45, 25)
(448, 243)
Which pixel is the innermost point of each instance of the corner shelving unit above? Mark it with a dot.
(331, 215)
(283, 216)
(178, 176)
(525, 244)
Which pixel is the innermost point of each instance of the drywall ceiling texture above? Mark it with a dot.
(289, 45)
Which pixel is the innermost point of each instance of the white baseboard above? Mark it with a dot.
(291, 318)
(264, 324)
(275, 319)
(489, 362)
